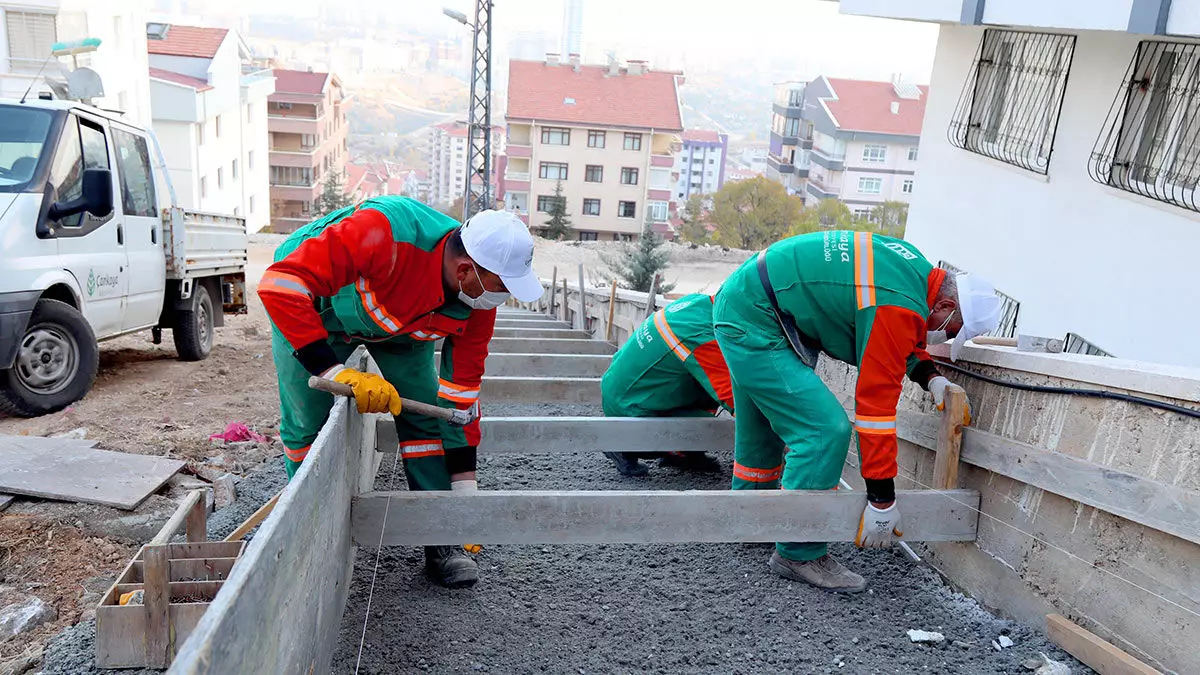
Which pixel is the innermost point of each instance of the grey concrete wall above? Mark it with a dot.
(1038, 552)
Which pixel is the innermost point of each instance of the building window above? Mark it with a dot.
(906, 186)
(249, 112)
(862, 214)
(712, 161)
(218, 126)
(252, 204)
(250, 160)
(552, 170)
(1010, 104)
(308, 141)
(588, 236)
(1150, 143)
(622, 237)
(593, 173)
(658, 211)
(305, 208)
(627, 209)
(874, 153)
(203, 187)
(870, 186)
(633, 141)
(544, 202)
(629, 176)
(30, 38)
(912, 154)
(220, 178)
(556, 136)
(791, 127)
(596, 139)
(591, 207)
(233, 170)
(200, 134)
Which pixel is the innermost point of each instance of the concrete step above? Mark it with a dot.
(541, 389)
(547, 365)
(549, 346)
(555, 333)
(531, 323)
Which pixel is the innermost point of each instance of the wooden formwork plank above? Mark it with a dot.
(648, 517)
(1092, 650)
(280, 609)
(542, 333)
(548, 346)
(546, 435)
(541, 389)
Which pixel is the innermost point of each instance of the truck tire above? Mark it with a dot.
(56, 362)
(193, 330)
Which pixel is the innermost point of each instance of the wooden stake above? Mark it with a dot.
(156, 597)
(652, 299)
(564, 303)
(254, 519)
(1095, 652)
(582, 301)
(949, 443)
(612, 307)
(553, 288)
(185, 512)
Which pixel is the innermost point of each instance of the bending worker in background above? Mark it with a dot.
(670, 367)
(395, 275)
(867, 300)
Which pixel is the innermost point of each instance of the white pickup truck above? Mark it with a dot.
(87, 254)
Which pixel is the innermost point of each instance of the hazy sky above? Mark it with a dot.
(808, 33)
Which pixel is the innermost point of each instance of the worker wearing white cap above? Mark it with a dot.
(396, 276)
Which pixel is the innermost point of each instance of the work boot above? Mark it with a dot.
(825, 573)
(690, 461)
(450, 566)
(627, 463)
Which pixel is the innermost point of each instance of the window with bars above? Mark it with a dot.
(1150, 143)
(1075, 344)
(1010, 308)
(1009, 106)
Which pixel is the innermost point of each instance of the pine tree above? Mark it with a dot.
(637, 265)
(333, 196)
(559, 225)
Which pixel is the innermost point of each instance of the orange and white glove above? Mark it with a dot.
(372, 393)
(878, 528)
(937, 388)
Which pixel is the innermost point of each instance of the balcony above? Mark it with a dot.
(789, 111)
(515, 150)
(778, 139)
(779, 164)
(662, 160)
(293, 158)
(295, 192)
(831, 161)
(293, 125)
(522, 176)
(658, 195)
(806, 143)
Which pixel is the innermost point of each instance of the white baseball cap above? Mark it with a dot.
(500, 243)
(980, 309)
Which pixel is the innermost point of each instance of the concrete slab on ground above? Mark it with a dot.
(62, 469)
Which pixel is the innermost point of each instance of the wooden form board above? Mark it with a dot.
(280, 609)
(69, 470)
(1093, 651)
(648, 517)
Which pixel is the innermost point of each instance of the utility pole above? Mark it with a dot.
(477, 188)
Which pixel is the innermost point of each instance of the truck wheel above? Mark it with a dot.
(56, 362)
(194, 327)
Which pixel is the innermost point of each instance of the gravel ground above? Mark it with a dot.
(697, 608)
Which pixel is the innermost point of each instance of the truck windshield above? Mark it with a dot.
(23, 133)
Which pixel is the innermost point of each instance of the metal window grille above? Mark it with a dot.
(1074, 344)
(1150, 144)
(1009, 106)
(1010, 307)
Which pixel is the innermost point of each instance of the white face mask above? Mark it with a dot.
(939, 336)
(486, 300)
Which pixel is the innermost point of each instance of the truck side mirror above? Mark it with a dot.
(96, 199)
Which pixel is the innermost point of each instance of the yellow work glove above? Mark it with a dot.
(372, 393)
(937, 388)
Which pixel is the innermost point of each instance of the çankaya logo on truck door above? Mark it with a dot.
(102, 280)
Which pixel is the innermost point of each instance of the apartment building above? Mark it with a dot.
(1059, 135)
(209, 111)
(852, 140)
(448, 160)
(306, 118)
(700, 163)
(609, 134)
(28, 29)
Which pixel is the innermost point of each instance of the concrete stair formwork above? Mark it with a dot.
(541, 333)
(549, 346)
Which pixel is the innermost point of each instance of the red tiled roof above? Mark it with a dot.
(395, 186)
(355, 174)
(540, 92)
(299, 82)
(701, 136)
(866, 106)
(188, 41)
(179, 78)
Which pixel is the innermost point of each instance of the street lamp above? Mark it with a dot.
(477, 194)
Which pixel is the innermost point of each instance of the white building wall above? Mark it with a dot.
(1078, 255)
(178, 142)
(255, 167)
(1184, 18)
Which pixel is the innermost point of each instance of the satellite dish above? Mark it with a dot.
(85, 83)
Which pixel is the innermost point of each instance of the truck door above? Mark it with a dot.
(143, 228)
(91, 248)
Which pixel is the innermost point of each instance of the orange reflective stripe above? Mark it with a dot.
(875, 424)
(757, 475)
(284, 283)
(425, 448)
(457, 392)
(864, 269)
(876, 432)
(297, 455)
(422, 335)
(378, 314)
(668, 335)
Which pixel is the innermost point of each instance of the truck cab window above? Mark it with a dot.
(137, 180)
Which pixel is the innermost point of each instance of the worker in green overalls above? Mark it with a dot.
(865, 299)
(670, 367)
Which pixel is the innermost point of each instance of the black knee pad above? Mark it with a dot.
(460, 460)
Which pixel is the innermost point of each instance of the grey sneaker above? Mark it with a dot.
(450, 566)
(825, 573)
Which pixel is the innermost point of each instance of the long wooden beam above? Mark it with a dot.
(645, 517)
